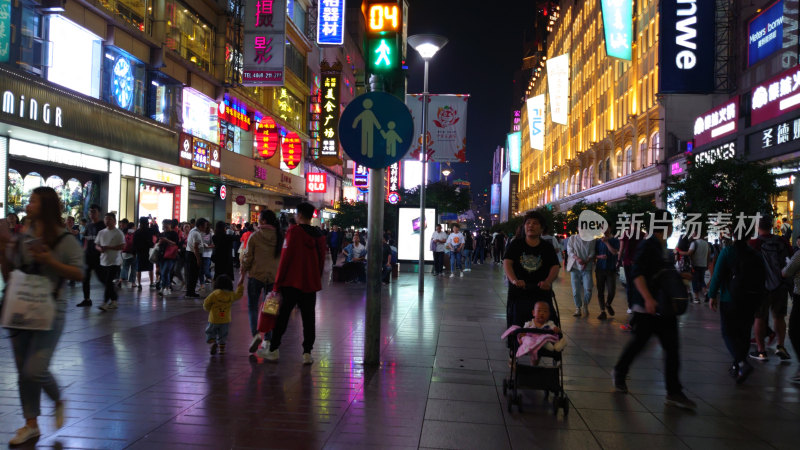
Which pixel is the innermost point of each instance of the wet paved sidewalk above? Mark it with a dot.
(141, 377)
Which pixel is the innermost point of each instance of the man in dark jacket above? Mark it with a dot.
(649, 317)
(92, 255)
(298, 280)
(335, 242)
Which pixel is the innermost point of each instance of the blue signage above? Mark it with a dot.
(618, 27)
(765, 33)
(376, 130)
(330, 22)
(514, 146)
(686, 46)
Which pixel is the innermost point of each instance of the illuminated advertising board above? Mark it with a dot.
(316, 182)
(558, 88)
(515, 124)
(618, 27)
(410, 228)
(717, 123)
(198, 154)
(495, 201)
(292, 150)
(536, 121)
(776, 96)
(5, 30)
(724, 151)
(686, 46)
(267, 137)
(514, 147)
(234, 111)
(360, 176)
(264, 42)
(330, 116)
(765, 33)
(330, 22)
(392, 180)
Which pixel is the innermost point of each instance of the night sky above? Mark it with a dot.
(485, 48)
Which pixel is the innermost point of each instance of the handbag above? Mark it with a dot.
(171, 252)
(155, 254)
(269, 313)
(29, 303)
(433, 245)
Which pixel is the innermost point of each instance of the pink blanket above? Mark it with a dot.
(530, 344)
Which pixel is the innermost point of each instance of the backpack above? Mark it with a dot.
(773, 251)
(748, 277)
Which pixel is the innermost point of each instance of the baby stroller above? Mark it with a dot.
(547, 376)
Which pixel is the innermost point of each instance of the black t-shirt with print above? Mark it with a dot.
(531, 265)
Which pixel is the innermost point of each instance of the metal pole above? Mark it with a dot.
(424, 159)
(372, 349)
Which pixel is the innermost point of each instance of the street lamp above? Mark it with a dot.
(446, 172)
(427, 45)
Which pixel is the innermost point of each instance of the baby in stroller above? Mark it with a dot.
(533, 343)
(541, 320)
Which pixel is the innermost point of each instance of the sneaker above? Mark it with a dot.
(84, 303)
(452, 275)
(214, 348)
(782, 353)
(307, 359)
(24, 435)
(265, 345)
(221, 349)
(619, 383)
(255, 343)
(153, 287)
(59, 414)
(743, 371)
(761, 356)
(267, 354)
(629, 311)
(461, 274)
(602, 316)
(104, 307)
(680, 401)
(577, 312)
(112, 305)
(696, 300)
(610, 310)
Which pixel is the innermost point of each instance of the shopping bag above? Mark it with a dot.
(28, 302)
(155, 255)
(171, 252)
(269, 313)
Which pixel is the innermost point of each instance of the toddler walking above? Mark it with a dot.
(218, 304)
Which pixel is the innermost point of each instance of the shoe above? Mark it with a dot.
(214, 348)
(577, 312)
(153, 287)
(761, 356)
(452, 275)
(602, 316)
(743, 370)
(610, 310)
(169, 291)
(619, 383)
(221, 349)
(461, 274)
(59, 414)
(112, 305)
(267, 354)
(104, 307)
(255, 343)
(782, 353)
(265, 345)
(629, 311)
(733, 370)
(307, 359)
(695, 300)
(626, 327)
(192, 295)
(24, 435)
(680, 401)
(162, 292)
(84, 303)
(139, 287)
(118, 283)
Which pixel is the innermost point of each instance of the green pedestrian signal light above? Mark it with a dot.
(383, 54)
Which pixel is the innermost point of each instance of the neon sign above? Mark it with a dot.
(267, 137)
(315, 182)
(330, 22)
(360, 176)
(719, 122)
(330, 115)
(233, 111)
(292, 150)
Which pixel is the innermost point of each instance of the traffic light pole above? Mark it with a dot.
(424, 159)
(375, 262)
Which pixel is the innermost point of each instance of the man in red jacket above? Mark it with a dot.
(298, 280)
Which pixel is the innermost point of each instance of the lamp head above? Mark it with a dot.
(427, 44)
(446, 172)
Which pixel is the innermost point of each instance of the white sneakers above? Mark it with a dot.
(268, 355)
(255, 343)
(307, 359)
(166, 291)
(24, 434)
(108, 306)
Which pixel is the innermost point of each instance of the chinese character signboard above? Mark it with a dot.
(329, 114)
(330, 22)
(536, 121)
(267, 137)
(686, 46)
(618, 27)
(447, 127)
(292, 150)
(558, 87)
(392, 181)
(234, 111)
(515, 124)
(775, 97)
(360, 176)
(198, 154)
(315, 182)
(765, 33)
(783, 133)
(264, 42)
(719, 122)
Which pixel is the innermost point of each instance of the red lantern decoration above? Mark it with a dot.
(267, 137)
(292, 150)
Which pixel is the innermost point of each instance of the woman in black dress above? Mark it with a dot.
(142, 243)
(223, 251)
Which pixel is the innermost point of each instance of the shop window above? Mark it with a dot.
(136, 13)
(642, 154)
(289, 107)
(200, 116)
(296, 13)
(655, 148)
(162, 97)
(55, 182)
(23, 35)
(189, 35)
(629, 160)
(72, 195)
(14, 193)
(123, 80)
(75, 57)
(295, 61)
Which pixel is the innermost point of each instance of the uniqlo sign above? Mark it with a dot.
(315, 182)
(264, 42)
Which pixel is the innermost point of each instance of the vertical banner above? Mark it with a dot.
(536, 121)
(393, 182)
(5, 30)
(447, 127)
(330, 22)
(330, 109)
(514, 147)
(495, 200)
(558, 88)
(618, 27)
(686, 46)
(264, 42)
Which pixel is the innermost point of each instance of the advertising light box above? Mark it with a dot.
(514, 146)
(717, 123)
(618, 27)
(330, 22)
(776, 96)
(765, 33)
(409, 230)
(686, 46)
(264, 43)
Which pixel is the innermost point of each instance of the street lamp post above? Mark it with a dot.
(446, 172)
(426, 45)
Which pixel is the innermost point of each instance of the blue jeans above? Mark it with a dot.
(128, 270)
(581, 285)
(218, 332)
(166, 272)
(205, 273)
(467, 259)
(455, 261)
(32, 353)
(254, 288)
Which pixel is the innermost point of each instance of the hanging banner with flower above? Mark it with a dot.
(447, 127)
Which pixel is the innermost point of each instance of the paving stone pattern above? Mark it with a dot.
(141, 377)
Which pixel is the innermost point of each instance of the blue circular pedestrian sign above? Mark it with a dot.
(376, 130)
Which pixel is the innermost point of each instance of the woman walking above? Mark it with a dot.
(142, 243)
(222, 257)
(41, 250)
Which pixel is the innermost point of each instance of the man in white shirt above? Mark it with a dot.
(194, 256)
(699, 254)
(438, 240)
(455, 243)
(110, 242)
